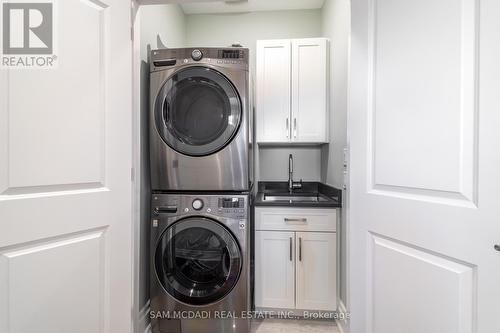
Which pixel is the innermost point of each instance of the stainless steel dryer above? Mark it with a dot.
(200, 263)
(200, 120)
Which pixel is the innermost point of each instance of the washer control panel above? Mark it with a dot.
(231, 206)
(235, 207)
(197, 204)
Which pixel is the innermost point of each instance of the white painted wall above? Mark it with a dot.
(274, 163)
(247, 28)
(168, 22)
(336, 26)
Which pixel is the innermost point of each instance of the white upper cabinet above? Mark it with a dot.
(292, 86)
(273, 90)
(309, 90)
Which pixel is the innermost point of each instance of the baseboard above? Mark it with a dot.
(144, 324)
(343, 319)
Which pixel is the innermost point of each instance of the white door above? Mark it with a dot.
(316, 271)
(273, 90)
(309, 90)
(274, 269)
(65, 190)
(425, 184)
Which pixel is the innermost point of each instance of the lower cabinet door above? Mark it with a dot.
(274, 269)
(316, 271)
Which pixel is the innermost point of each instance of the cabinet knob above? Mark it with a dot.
(497, 247)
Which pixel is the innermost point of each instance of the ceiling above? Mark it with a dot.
(211, 7)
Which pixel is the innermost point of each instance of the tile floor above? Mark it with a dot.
(293, 326)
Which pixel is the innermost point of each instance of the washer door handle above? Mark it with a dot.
(166, 110)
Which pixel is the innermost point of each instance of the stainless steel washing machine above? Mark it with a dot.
(200, 263)
(200, 120)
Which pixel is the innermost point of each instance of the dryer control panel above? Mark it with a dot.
(231, 57)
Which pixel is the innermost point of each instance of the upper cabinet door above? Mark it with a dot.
(273, 91)
(309, 90)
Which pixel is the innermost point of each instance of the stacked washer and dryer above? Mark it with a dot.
(201, 160)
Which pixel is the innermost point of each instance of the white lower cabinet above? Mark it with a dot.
(296, 269)
(275, 269)
(316, 271)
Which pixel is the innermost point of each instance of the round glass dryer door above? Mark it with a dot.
(197, 261)
(197, 111)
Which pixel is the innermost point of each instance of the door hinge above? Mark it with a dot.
(132, 174)
(132, 33)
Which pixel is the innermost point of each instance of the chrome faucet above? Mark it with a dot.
(291, 184)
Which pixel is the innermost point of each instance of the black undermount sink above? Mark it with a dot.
(294, 197)
(310, 194)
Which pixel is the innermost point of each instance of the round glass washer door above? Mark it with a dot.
(197, 261)
(197, 111)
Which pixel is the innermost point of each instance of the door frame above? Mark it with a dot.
(343, 306)
(139, 314)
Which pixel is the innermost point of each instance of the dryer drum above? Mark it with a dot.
(197, 111)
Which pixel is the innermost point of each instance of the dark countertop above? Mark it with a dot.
(332, 197)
